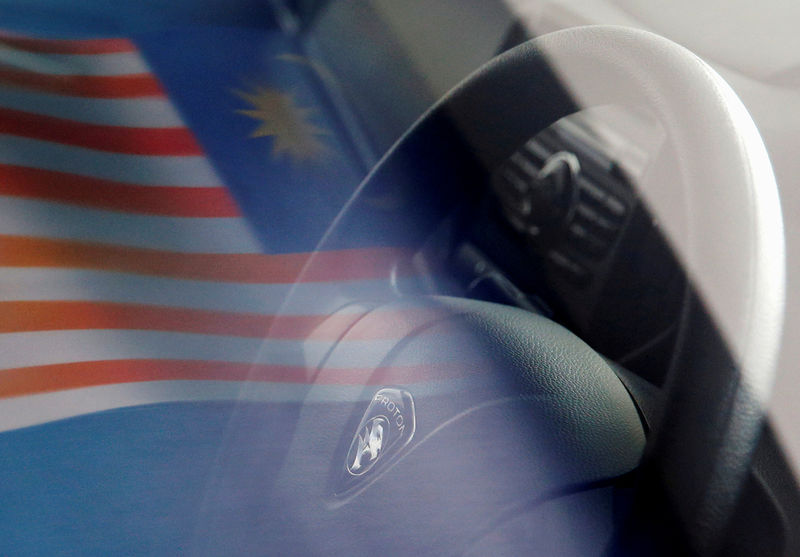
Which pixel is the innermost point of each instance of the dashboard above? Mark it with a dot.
(561, 230)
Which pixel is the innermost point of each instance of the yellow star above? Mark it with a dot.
(287, 123)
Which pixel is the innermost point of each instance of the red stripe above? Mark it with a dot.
(342, 265)
(17, 317)
(58, 377)
(82, 46)
(60, 315)
(101, 87)
(117, 139)
(35, 183)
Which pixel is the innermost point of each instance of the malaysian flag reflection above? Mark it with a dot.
(126, 260)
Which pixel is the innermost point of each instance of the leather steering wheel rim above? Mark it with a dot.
(730, 238)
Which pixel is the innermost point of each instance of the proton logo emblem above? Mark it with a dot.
(367, 446)
(387, 426)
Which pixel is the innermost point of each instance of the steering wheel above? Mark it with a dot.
(532, 416)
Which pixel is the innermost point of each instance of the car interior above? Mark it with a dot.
(378, 277)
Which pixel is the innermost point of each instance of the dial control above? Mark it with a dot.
(537, 194)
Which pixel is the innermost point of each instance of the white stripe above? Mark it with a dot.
(144, 113)
(145, 170)
(45, 219)
(313, 298)
(59, 347)
(37, 409)
(110, 64)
